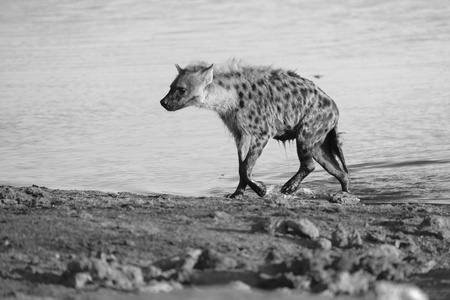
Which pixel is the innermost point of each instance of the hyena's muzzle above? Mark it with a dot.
(170, 104)
(166, 103)
(174, 101)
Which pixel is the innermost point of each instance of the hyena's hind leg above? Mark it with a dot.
(305, 156)
(249, 150)
(325, 154)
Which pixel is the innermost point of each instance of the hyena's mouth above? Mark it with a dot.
(165, 105)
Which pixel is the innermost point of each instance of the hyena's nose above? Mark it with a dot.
(164, 104)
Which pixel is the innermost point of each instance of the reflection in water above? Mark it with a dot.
(80, 84)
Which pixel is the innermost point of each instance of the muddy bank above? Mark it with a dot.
(82, 244)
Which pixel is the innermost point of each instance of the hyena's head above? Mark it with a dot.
(189, 88)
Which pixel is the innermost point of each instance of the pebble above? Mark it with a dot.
(354, 239)
(222, 216)
(323, 243)
(79, 280)
(240, 286)
(385, 290)
(301, 227)
(211, 259)
(112, 274)
(386, 250)
(156, 287)
(353, 284)
(377, 235)
(339, 237)
(344, 198)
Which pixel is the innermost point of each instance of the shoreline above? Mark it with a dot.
(294, 248)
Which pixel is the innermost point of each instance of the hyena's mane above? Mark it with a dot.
(234, 68)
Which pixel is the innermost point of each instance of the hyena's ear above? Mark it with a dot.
(208, 74)
(180, 69)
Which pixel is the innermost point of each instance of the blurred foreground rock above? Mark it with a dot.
(435, 225)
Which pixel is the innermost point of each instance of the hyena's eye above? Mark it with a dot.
(181, 90)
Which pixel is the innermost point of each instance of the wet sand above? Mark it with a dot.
(91, 244)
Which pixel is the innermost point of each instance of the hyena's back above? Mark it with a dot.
(279, 104)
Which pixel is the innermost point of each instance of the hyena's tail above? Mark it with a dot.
(335, 144)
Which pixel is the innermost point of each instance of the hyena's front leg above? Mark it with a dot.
(246, 167)
(240, 188)
(243, 145)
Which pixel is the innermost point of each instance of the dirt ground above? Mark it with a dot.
(57, 244)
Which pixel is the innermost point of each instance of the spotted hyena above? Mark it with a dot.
(257, 103)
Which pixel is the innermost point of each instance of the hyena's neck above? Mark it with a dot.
(222, 95)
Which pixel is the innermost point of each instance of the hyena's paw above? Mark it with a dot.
(290, 188)
(259, 188)
(235, 195)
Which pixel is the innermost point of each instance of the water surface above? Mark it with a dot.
(80, 84)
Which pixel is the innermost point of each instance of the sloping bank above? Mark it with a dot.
(85, 244)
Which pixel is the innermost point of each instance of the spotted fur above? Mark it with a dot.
(258, 103)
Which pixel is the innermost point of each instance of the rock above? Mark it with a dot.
(179, 267)
(262, 225)
(156, 287)
(273, 269)
(7, 196)
(306, 192)
(302, 227)
(305, 265)
(344, 263)
(390, 291)
(273, 254)
(79, 280)
(211, 259)
(151, 272)
(210, 277)
(85, 215)
(240, 286)
(323, 243)
(130, 243)
(77, 266)
(6, 242)
(426, 267)
(339, 237)
(386, 250)
(385, 262)
(35, 260)
(132, 274)
(406, 242)
(354, 239)
(344, 198)
(29, 196)
(377, 235)
(357, 283)
(421, 264)
(222, 216)
(278, 281)
(98, 270)
(277, 200)
(19, 256)
(435, 225)
(179, 261)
